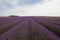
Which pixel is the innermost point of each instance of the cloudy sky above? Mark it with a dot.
(30, 7)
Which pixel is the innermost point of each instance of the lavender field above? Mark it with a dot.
(30, 28)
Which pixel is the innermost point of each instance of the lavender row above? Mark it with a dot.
(10, 20)
(29, 30)
(5, 27)
(51, 27)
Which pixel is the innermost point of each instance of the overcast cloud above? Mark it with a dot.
(30, 7)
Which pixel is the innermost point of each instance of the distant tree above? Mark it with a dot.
(13, 16)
